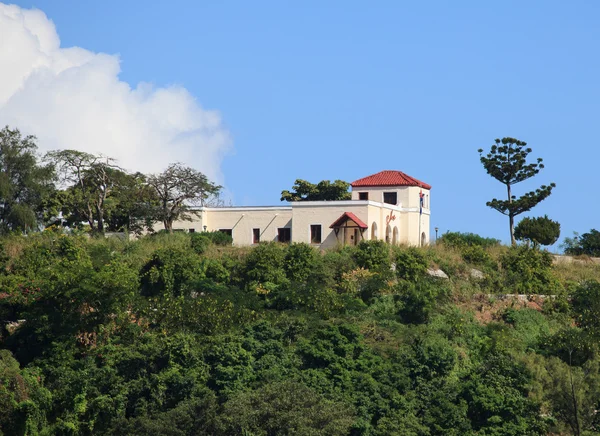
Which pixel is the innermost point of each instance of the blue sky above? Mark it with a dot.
(328, 90)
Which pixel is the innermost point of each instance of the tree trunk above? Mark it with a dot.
(168, 225)
(511, 217)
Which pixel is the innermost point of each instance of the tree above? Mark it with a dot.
(24, 184)
(587, 244)
(322, 191)
(131, 204)
(92, 179)
(539, 231)
(177, 189)
(507, 163)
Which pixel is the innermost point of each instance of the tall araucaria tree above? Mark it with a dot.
(507, 163)
(177, 189)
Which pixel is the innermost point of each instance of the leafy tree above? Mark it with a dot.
(177, 188)
(322, 191)
(25, 185)
(507, 163)
(285, 408)
(92, 179)
(539, 231)
(131, 204)
(587, 244)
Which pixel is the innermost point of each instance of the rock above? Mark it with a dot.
(476, 274)
(437, 273)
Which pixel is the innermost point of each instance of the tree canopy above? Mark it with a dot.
(177, 189)
(539, 231)
(507, 163)
(25, 184)
(322, 191)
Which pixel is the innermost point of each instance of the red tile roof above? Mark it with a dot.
(389, 178)
(348, 216)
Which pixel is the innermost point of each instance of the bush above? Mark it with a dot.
(539, 231)
(476, 255)
(373, 255)
(200, 242)
(417, 301)
(217, 237)
(458, 239)
(411, 264)
(169, 271)
(265, 266)
(300, 262)
(528, 271)
(586, 307)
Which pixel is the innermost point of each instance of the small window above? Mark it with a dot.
(192, 230)
(315, 233)
(390, 197)
(226, 231)
(284, 235)
(363, 195)
(255, 236)
(178, 230)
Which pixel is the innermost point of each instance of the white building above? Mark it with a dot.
(389, 205)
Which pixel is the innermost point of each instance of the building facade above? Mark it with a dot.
(389, 206)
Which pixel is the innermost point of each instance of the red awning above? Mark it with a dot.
(345, 217)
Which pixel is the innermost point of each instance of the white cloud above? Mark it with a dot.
(73, 98)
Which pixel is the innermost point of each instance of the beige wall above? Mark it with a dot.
(324, 213)
(242, 221)
(403, 220)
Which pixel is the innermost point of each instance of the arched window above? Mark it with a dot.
(374, 231)
(395, 237)
(423, 239)
(388, 234)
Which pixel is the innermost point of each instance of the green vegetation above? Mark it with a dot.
(322, 191)
(587, 244)
(507, 163)
(183, 334)
(538, 231)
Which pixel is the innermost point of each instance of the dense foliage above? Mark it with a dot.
(174, 334)
(587, 244)
(538, 231)
(322, 191)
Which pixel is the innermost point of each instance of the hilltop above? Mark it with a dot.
(183, 334)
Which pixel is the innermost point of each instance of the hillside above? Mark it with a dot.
(185, 335)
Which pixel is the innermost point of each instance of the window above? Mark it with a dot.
(178, 230)
(363, 195)
(390, 197)
(284, 235)
(315, 233)
(227, 231)
(255, 236)
(192, 230)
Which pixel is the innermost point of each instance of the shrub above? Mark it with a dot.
(300, 261)
(476, 255)
(200, 242)
(265, 266)
(528, 271)
(169, 271)
(586, 306)
(373, 255)
(217, 237)
(417, 301)
(458, 239)
(411, 264)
